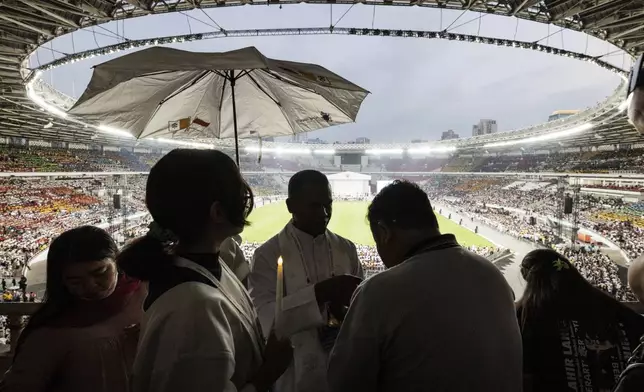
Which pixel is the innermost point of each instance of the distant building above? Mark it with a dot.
(484, 127)
(559, 114)
(416, 141)
(300, 138)
(363, 140)
(268, 139)
(449, 135)
(316, 140)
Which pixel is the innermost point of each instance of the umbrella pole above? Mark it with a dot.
(232, 89)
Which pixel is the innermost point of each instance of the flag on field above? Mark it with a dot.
(183, 123)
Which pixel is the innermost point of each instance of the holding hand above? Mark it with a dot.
(337, 290)
(278, 355)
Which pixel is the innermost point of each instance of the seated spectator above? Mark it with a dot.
(575, 337)
(81, 339)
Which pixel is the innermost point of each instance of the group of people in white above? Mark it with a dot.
(177, 310)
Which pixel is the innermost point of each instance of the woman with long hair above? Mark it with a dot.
(575, 336)
(84, 335)
(200, 329)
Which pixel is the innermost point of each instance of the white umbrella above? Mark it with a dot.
(164, 92)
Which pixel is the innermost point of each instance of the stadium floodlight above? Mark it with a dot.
(387, 151)
(432, 150)
(114, 131)
(292, 150)
(324, 152)
(184, 143)
(31, 94)
(624, 105)
(543, 138)
(278, 150)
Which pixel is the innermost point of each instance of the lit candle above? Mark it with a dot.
(279, 288)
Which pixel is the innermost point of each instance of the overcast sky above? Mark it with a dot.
(420, 87)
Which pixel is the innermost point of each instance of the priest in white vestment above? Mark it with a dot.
(321, 272)
(439, 319)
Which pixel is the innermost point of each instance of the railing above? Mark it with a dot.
(15, 312)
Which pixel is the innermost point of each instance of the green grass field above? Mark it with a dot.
(348, 220)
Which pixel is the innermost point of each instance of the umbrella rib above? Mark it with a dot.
(179, 91)
(292, 83)
(281, 108)
(263, 90)
(194, 114)
(221, 99)
(184, 88)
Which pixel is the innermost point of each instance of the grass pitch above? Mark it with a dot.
(349, 220)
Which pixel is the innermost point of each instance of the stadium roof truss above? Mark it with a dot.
(27, 24)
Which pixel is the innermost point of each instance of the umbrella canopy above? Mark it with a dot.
(165, 92)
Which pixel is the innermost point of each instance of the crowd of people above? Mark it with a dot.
(168, 311)
(33, 211)
(36, 158)
(368, 255)
(529, 212)
(599, 270)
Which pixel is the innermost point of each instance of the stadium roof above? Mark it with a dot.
(27, 24)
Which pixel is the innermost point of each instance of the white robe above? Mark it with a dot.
(441, 321)
(197, 338)
(301, 315)
(233, 256)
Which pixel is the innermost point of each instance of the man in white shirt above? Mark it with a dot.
(439, 319)
(321, 272)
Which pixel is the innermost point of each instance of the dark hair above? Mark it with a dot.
(303, 178)
(402, 204)
(79, 245)
(555, 287)
(180, 191)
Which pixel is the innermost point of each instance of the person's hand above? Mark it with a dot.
(337, 290)
(278, 355)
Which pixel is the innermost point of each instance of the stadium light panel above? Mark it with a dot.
(324, 152)
(543, 138)
(624, 105)
(185, 143)
(292, 150)
(392, 151)
(114, 131)
(278, 150)
(432, 150)
(42, 103)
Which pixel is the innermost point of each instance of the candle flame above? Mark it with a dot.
(280, 261)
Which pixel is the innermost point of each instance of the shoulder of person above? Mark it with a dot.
(197, 307)
(269, 247)
(346, 242)
(188, 296)
(379, 287)
(47, 340)
(229, 244)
